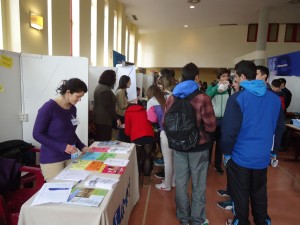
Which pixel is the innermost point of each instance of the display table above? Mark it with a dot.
(115, 208)
(293, 132)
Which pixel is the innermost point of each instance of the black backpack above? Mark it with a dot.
(180, 124)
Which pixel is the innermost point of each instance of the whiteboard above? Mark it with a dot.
(139, 83)
(10, 97)
(293, 84)
(129, 71)
(94, 75)
(41, 75)
(147, 82)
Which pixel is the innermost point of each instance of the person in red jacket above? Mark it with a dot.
(140, 131)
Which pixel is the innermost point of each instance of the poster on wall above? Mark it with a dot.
(285, 65)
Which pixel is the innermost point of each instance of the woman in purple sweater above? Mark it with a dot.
(55, 127)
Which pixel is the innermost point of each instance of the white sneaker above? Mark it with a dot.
(162, 187)
(229, 222)
(173, 185)
(206, 222)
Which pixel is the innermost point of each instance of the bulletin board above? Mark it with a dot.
(41, 75)
(10, 96)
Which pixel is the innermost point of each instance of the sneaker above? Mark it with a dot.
(219, 170)
(228, 205)
(229, 222)
(206, 222)
(162, 187)
(223, 193)
(160, 174)
(159, 162)
(172, 185)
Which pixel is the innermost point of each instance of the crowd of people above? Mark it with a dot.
(240, 116)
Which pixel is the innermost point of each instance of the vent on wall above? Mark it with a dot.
(134, 17)
(228, 24)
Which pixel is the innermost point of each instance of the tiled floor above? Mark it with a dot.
(157, 207)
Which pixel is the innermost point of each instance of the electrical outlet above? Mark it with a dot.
(23, 117)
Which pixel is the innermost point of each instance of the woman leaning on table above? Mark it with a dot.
(55, 127)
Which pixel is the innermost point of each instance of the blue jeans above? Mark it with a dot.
(192, 165)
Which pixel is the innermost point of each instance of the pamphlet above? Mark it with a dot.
(86, 196)
(112, 169)
(101, 182)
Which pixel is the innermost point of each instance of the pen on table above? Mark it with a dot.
(57, 189)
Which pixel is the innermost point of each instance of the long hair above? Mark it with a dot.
(154, 91)
(123, 83)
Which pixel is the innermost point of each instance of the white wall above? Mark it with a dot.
(292, 83)
(207, 47)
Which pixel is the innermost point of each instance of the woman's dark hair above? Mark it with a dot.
(155, 91)
(74, 85)
(108, 78)
(123, 82)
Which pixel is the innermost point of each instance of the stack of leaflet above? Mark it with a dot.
(86, 196)
(101, 182)
(73, 175)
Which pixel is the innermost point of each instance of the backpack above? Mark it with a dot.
(180, 124)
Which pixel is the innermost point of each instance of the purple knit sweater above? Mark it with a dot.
(53, 128)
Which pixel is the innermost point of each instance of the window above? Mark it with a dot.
(106, 21)
(292, 32)
(115, 31)
(273, 32)
(126, 43)
(252, 32)
(94, 33)
(1, 28)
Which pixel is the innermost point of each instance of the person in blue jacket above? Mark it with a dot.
(253, 124)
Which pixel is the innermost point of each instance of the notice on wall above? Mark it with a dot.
(6, 61)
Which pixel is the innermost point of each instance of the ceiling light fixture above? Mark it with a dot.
(192, 3)
(186, 26)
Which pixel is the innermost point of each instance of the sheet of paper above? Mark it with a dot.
(80, 165)
(75, 175)
(53, 192)
(116, 162)
(101, 182)
(94, 166)
(112, 169)
(121, 150)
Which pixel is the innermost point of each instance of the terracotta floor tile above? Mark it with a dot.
(157, 207)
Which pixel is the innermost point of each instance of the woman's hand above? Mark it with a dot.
(86, 149)
(119, 123)
(70, 149)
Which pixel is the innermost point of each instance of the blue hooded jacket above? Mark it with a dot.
(185, 88)
(252, 117)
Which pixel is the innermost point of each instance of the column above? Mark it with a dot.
(262, 34)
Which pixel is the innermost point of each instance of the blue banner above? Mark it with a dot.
(118, 58)
(285, 65)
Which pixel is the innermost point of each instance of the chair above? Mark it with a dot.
(7, 217)
(16, 198)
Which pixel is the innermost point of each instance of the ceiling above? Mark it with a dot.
(163, 15)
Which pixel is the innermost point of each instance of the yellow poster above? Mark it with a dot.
(6, 61)
(1, 88)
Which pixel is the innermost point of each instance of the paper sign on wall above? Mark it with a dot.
(1, 88)
(6, 61)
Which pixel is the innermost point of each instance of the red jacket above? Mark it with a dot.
(136, 123)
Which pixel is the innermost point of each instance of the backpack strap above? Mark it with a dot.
(193, 94)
